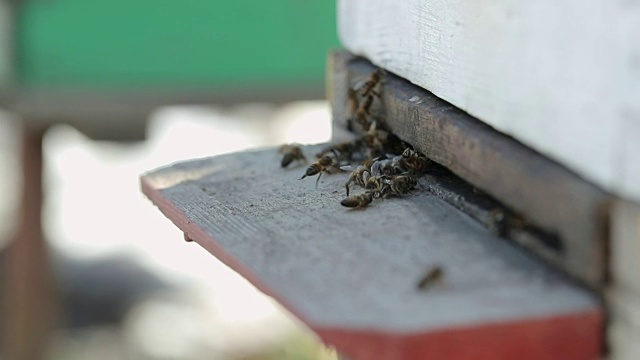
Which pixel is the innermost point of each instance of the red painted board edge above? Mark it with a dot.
(577, 336)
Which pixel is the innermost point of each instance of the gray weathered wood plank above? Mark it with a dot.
(546, 193)
(563, 78)
(354, 273)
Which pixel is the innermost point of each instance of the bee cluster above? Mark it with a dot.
(387, 166)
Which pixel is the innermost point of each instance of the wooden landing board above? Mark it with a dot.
(351, 275)
(547, 194)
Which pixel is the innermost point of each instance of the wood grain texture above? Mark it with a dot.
(546, 193)
(562, 78)
(351, 275)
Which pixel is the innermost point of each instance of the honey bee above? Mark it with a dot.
(377, 186)
(352, 108)
(359, 176)
(373, 80)
(360, 108)
(342, 151)
(432, 276)
(382, 167)
(290, 153)
(363, 112)
(358, 201)
(401, 184)
(321, 165)
(415, 160)
(375, 139)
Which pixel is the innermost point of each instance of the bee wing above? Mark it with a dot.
(347, 168)
(375, 168)
(359, 82)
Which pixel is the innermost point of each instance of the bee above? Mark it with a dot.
(352, 108)
(432, 276)
(359, 176)
(358, 201)
(321, 165)
(363, 112)
(375, 139)
(290, 153)
(379, 166)
(415, 160)
(373, 80)
(377, 186)
(342, 151)
(360, 107)
(401, 184)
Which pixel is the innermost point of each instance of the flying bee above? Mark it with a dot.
(358, 201)
(321, 165)
(415, 160)
(372, 81)
(291, 152)
(432, 276)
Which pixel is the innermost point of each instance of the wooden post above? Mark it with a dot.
(28, 296)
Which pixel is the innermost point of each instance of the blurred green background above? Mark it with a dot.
(164, 43)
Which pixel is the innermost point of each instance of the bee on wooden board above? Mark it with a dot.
(291, 152)
(343, 151)
(352, 108)
(358, 176)
(389, 166)
(430, 278)
(321, 165)
(415, 160)
(359, 201)
(371, 82)
(363, 114)
(360, 98)
(401, 184)
(375, 139)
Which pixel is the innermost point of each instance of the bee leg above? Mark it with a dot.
(346, 186)
(318, 179)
